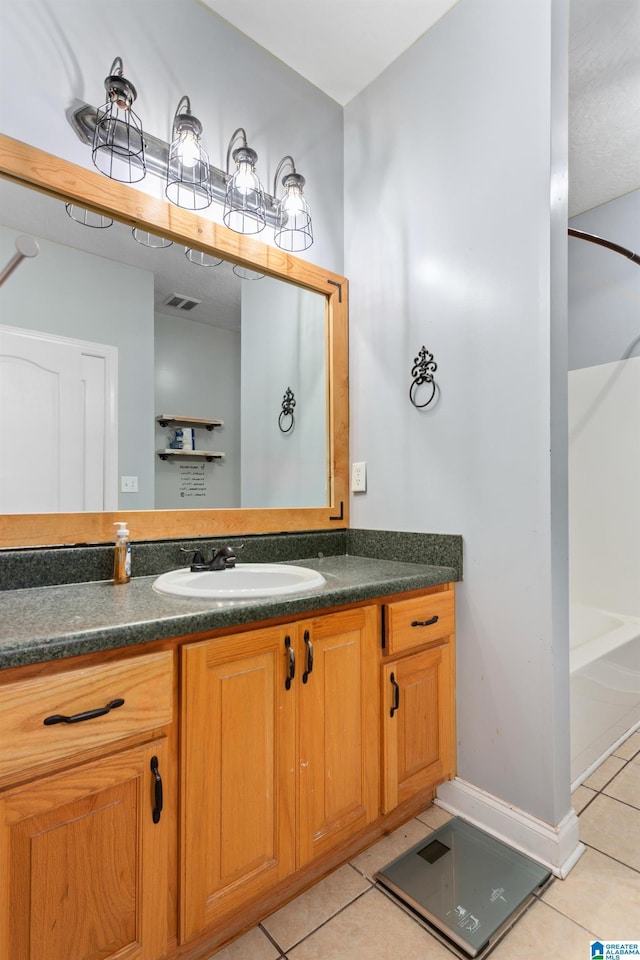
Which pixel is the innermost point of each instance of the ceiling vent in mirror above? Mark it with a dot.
(180, 302)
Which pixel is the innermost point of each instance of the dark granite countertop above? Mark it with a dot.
(50, 623)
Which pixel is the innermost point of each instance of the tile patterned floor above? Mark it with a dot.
(344, 917)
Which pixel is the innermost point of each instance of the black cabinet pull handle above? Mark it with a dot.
(396, 695)
(309, 667)
(157, 787)
(86, 715)
(292, 663)
(425, 623)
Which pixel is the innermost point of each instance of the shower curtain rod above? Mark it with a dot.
(634, 257)
(25, 247)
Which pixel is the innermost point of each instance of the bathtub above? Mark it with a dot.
(605, 684)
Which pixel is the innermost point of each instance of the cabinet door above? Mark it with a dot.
(238, 775)
(418, 727)
(338, 712)
(84, 863)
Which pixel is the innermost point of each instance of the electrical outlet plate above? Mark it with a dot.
(359, 477)
(128, 484)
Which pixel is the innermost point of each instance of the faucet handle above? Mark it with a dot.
(197, 560)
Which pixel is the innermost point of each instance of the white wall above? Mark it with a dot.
(455, 206)
(604, 474)
(197, 374)
(283, 345)
(604, 410)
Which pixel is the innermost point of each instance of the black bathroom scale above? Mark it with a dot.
(465, 886)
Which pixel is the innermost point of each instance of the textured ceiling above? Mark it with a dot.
(604, 98)
(342, 45)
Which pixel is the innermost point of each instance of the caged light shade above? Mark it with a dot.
(118, 144)
(293, 230)
(244, 206)
(188, 183)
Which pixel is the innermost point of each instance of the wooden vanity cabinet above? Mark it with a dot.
(280, 756)
(297, 744)
(418, 695)
(83, 844)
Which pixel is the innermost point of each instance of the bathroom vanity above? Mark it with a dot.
(171, 771)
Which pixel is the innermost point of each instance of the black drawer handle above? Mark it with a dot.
(157, 787)
(396, 694)
(309, 667)
(79, 717)
(425, 623)
(292, 663)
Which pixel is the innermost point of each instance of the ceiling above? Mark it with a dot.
(365, 36)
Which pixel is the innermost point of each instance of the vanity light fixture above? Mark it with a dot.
(153, 240)
(188, 183)
(202, 259)
(293, 231)
(118, 144)
(87, 217)
(244, 207)
(246, 273)
(122, 152)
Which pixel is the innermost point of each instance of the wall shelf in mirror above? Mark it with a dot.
(208, 424)
(24, 166)
(208, 455)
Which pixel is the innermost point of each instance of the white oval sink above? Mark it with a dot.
(243, 582)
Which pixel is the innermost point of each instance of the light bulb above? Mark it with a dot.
(188, 149)
(245, 179)
(293, 203)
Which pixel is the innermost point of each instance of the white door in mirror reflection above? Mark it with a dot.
(58, 423)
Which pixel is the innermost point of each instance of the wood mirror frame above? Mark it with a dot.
(66, 181)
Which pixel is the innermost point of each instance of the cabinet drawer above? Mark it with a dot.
(412, 623)
(144, 683)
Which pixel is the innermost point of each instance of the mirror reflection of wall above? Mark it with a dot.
(71, 293)
(283, 346)
(172, 363)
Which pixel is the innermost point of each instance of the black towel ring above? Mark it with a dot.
(422, 372)
(288, 403)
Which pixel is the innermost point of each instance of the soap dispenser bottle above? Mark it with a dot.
(122, 554)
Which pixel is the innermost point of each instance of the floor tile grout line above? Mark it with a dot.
(609, 856)
(508, 930)
(271, 939)
(294, 946)
(625, 803)
(604, 785)
(567, 916)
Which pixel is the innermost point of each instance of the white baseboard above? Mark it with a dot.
(557, 848)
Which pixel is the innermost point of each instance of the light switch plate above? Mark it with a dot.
(128, 484)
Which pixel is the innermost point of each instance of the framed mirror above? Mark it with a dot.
(296, 303)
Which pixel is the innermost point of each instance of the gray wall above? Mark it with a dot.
(76, 294)
(604, 287)
(198, 375)
(449, 160)
(59, 51)
(283, 345)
